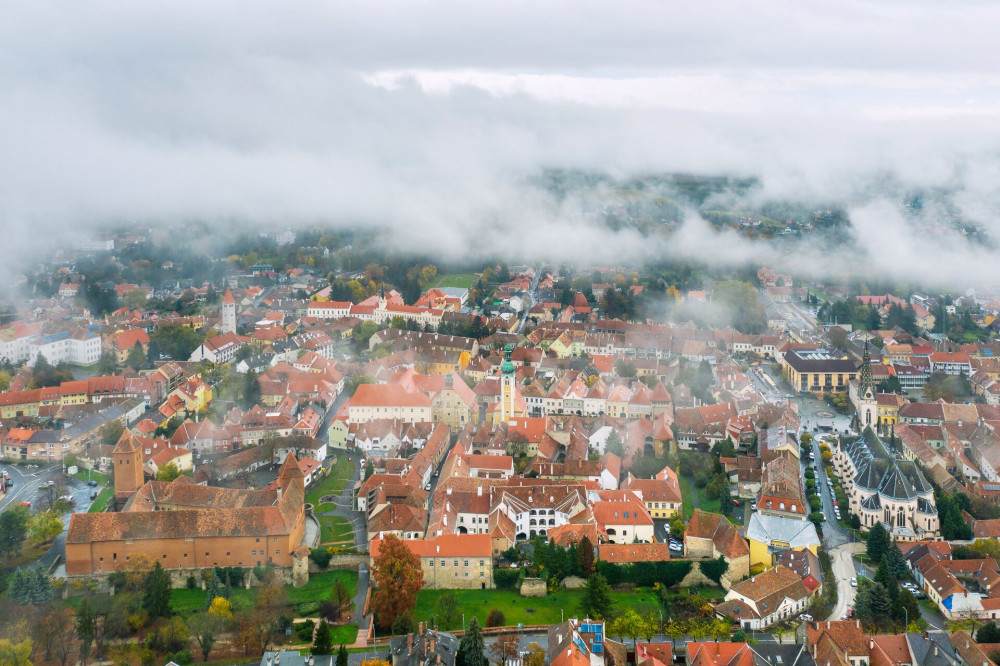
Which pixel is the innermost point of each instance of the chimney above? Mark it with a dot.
(871, 643)
(432, 644)
(409, 644)
(935, 649)
(479, 491)
(423, 628)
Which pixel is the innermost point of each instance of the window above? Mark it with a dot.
(466, 563)
(432, 562)
(456, 563)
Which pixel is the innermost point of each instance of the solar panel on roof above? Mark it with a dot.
(991, 486)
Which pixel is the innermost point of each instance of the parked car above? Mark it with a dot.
(91, 483)
(675, 547)
(854, 582)
(806, 617)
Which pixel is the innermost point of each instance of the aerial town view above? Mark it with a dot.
(446, 334)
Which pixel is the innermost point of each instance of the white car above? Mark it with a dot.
(854, 582)
(676, 547)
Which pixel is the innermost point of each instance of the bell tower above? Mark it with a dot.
(867, 400)
(228, 312)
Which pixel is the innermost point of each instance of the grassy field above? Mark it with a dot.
(184, 601)
(517, 609)
(84, 475)
(345, 634)
(334, 484)
(319, 586)
(101, 500)
(687, 507)
(335, 529)
(461, 280)
(707, 503)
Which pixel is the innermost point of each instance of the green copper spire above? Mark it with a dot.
(866, 371)
(508, 366)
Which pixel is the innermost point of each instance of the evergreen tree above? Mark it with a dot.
(472, 650)
(885, 577)
(342, 656)
(585, 557)
(596, 601)
(897, 563)
(878, 542)
(156, 592)
(152, 353)
(323, 641)
(136, 359)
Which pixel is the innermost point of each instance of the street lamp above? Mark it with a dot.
(463, 622)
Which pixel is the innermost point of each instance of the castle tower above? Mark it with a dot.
(228, 312)
(127, 457)
(507, 386)
(867, 400)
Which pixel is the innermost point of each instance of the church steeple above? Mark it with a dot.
(866, 372)
(508, 366)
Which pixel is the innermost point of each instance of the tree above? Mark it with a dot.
(251, 393)
(448, 612)
(85, 628)
(342, 655)
(677, 527)
(504, 649)
(398, 578)
(471, 649)
(369, 470)
(15, 654)
(585, 556)
(626, 625)
(152, 353)
(156, 592)
(323, 640)
(495, 618)
(111, 432)
(32, 587)
(988, 633)
(596, 601)
(13, 529)
(897, 563)
(64, 631)
(204, 627)
(176, 340)
(168, 472)
(877, 542)
(136, 358)
(340, 599)
(887, 579)
(536, 655)
(220, 608)
(614, 444)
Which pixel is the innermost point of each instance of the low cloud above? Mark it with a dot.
(430, 122)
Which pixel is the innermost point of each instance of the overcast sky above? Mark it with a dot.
(423, 117)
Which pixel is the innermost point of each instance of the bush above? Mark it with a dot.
(307, 608)
(495, 618)
(506, 579)
(182, 658)
(644, 574)
(403, 624)
(191, 582)
(714, 569)
(304, 630)
(321, 556)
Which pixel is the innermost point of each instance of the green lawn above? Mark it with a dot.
(687, 507)
(930, 605)
(707, 503)
(461, 280)
(345, 634)
(334, 529)
(342, 471)
(185, 602)
(101, 500)
(84, 475)
(517, 609)
(319, 586)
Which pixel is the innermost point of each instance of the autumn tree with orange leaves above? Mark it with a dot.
(398, 578)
